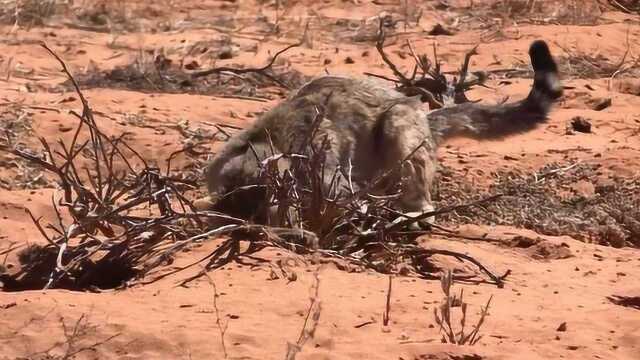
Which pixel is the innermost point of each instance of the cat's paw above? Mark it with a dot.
(205, 203)
(420, 224)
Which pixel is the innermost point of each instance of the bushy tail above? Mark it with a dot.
(487, 121)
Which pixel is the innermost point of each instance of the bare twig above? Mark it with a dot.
(260, 70)
(311, 321)
(222, 328)
(387, 308)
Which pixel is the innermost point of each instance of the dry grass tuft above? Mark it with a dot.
(589, 65)
(77, 340)
(444, 315)
(15, 122)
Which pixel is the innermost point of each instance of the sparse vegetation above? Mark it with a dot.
(594, 65)
(155, 71)
(311, 321)
(546, 203)
(77, 337)
(444, 315)
(221, 325)
(29, 12)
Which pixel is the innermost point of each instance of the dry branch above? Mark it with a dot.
(106, 243)
(331, 221)
(260, 70)
(427, 80)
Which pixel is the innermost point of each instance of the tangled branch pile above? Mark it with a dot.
(108, 240)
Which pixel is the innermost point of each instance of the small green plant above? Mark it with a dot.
(443, 315)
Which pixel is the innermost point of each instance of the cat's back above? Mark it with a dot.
(345, 88)
(351, 108)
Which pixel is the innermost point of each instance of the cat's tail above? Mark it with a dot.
(495, 121)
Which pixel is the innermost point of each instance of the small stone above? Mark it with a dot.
(192, 65)
(581, 124)
(64, 128)
(600, 104)
(562, 327)
(440, 30)
(225, 53)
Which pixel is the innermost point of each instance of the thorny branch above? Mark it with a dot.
(102, 204)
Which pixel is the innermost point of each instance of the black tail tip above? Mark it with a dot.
(541, 58)
(546, 80)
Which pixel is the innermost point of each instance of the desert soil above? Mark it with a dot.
(560, 280)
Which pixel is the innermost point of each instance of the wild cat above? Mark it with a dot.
(370, 129)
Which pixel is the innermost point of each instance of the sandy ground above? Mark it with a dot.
(546, 288)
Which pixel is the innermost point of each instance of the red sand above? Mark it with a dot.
(165, 321)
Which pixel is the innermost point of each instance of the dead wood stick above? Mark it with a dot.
(423, 253)
(308, 330)
(245, 70)
(448, 209)
(380, 47)
(620, 7)
(387, 309)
